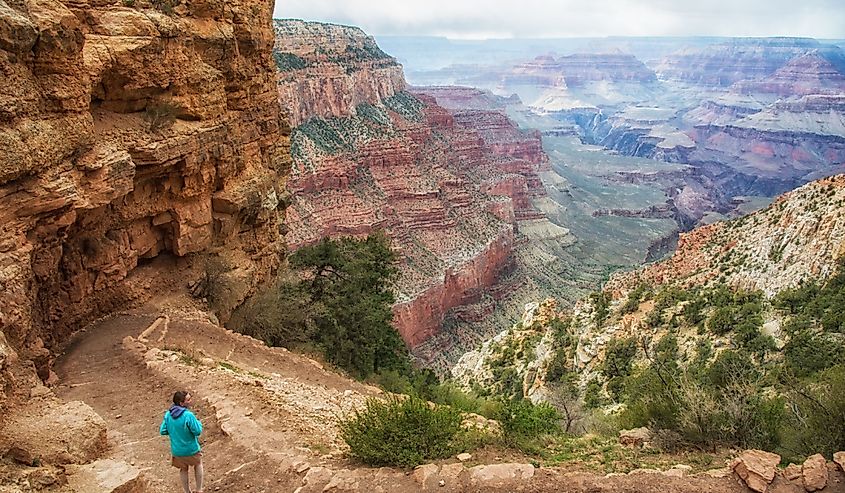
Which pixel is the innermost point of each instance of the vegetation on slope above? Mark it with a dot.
(339, 302)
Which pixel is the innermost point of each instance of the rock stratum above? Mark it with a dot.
(452, 188)
(742, 59)
(135, 137)
(327, 70)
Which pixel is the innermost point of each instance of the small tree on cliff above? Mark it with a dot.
(349, 283)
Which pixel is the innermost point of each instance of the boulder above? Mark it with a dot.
(792, 472)
(638, 437)
(52, 433)
(839, 458)
(464, 457)
(451, 471)
(500, 475)
(108, 476)
(757, 468)
(424, 472)
(814, 472)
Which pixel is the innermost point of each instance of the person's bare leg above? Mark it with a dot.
(183, 476)
(199, 474)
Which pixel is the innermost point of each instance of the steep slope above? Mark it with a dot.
(455, 190)
(327, 70)
(133, 135)
(797, 239)
(270, 419)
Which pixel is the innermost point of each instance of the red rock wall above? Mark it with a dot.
(420, 318)
(128, 133)
(447, 187)
(344, 68)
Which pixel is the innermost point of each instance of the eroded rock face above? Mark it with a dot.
(798, 237)
(580, 68)
(328, 70)
(810, 73)
(129, 132)
(52, 433)
(738, 60)
(448, 187)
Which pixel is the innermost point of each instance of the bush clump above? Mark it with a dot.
(401, 432)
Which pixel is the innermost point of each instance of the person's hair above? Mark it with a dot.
(179, 397)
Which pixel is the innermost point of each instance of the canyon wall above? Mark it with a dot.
(327, 70)
(133, 135)
(448, 187)
(723, 64)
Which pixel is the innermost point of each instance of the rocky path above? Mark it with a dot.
(270, 417)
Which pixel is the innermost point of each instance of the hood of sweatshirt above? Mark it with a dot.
(176, 411)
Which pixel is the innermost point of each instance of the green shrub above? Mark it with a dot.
(286, 62)
(601, 307)
(401, 432)
(816, 422)
(619, 357)
(722, 321)
(808, 352)
(593, 398)
(523, 422)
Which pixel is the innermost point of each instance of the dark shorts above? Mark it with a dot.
(184, 462)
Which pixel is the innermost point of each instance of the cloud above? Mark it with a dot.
(577, 18)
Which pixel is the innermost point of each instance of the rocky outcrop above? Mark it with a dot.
(130, 132)
(814, 473)
(327, 70)
(54, 433)
(798, 237)
(466, 98)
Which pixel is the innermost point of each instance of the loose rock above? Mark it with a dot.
(814, 472)
(757, 468)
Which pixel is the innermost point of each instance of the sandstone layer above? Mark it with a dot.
(130, 132)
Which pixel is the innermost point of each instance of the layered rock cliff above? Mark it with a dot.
(133, 134)
(810, 73)
(453, 189)
(723, 64)
(328, 70)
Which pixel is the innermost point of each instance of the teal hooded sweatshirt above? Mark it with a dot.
(183, 428)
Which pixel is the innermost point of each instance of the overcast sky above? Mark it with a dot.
(480, 19)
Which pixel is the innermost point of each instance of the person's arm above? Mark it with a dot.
(194, 425)
(162, 430)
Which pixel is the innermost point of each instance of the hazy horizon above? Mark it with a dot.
(537, 19)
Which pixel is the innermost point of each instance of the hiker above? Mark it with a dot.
(183, 428)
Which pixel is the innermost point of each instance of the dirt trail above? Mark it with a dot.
(270, 416)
